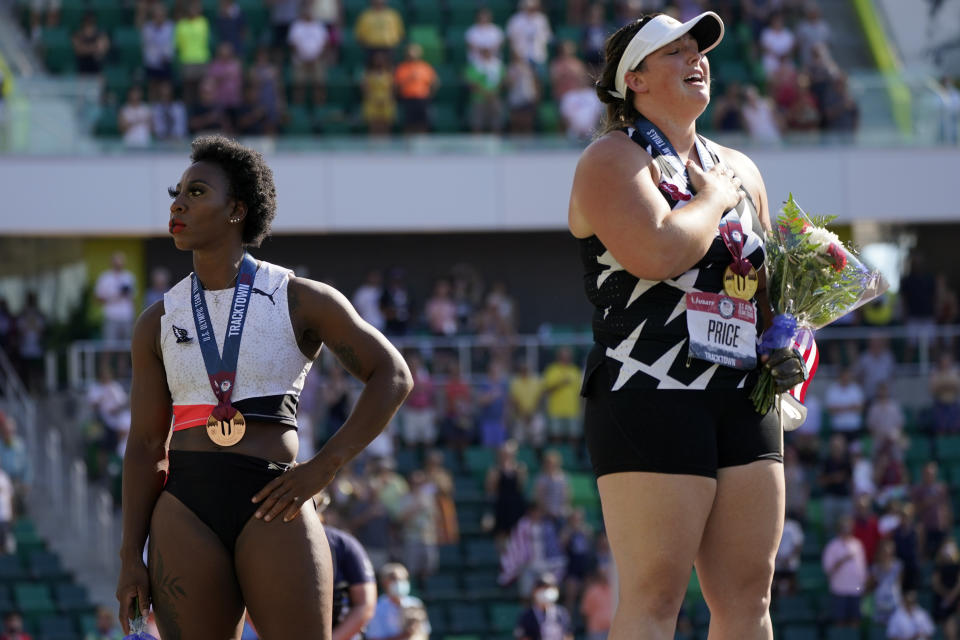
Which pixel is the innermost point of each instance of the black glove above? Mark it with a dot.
(786, 367)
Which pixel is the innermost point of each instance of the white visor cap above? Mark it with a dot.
(706, 29)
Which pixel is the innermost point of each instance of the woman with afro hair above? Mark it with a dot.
(218, 366)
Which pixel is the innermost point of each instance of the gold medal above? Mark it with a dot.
(737, 286)
(226, 433)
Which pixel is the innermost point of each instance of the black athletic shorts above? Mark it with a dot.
(675, 431)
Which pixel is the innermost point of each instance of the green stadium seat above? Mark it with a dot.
(571, 32)
(503, 616)
(56, 625)
(426, 11)
(807, 631)
(57, 50)
(481, 552)
(407, 460)
(110, 14)
(467, 618)
(428, 37)
(843, 633)
(481, 585)
(456, 47)
(332, 120)
(45, 566)
(71, 598)
(461, 14)
(583, 489)
(106, 124)
(12, 569)
(299, 121)
(469, 488)
(442, 586)
(810, 577)
(794, 609)
(478, 459)
(948, 448)
(450, 556)
(127, 47)
(117, 80)
(33, 599)
(342, 88)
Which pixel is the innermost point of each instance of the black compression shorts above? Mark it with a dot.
(675, 431)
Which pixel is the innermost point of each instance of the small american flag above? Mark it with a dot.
(807, 346)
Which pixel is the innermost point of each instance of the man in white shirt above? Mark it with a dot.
(581, 110)
(529, 33)
(308, 39)
(844, 400)
(483, 35)
(909, 621)
(366, 300)
(114, 290)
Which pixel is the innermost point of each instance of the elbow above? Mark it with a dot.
(369, 609)
(402, 380)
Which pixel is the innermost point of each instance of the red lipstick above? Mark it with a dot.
(176, 226)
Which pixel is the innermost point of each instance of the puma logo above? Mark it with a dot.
(267, 295)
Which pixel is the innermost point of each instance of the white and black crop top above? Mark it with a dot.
(270, 367)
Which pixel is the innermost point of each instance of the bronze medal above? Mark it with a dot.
(737, 286)
(226, 433)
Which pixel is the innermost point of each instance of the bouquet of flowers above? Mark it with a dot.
(812, 280)
(138, 626)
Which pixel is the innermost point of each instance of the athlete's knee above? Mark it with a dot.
(744, 593)
(656, 600)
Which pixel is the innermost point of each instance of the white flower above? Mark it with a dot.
(822, 238)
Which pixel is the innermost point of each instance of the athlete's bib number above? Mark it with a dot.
(722, 330)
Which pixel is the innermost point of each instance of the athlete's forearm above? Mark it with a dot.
(144, 469)
(382, 395)
(352, 624)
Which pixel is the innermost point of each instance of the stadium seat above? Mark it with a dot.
(481, 585)
(428, 37)
(127, 47)
(478, 459)
(481, 552)
(57, 50)
(442, 586)
(466, 618)
(56, 625)
(407, 460)
(800, 632)
(794, 609)
(548, 117)
(503, 616)
(46, 566)
(117, 80)
(71, 598)
(12, 569)
(426, 11)
(948, 448)
(450, 556)
(299, 121)
(583, 489)
(106, 124)
(810, 577)
(843, 633)
(446, 119)
(469, 518)
(110, 14)
(468, 488)
(33, 599)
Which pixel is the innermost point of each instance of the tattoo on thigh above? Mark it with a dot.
(166, 592)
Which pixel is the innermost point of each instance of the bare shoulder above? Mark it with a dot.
(749, 174)
(306, 295)
(146, 331)
(612, 150)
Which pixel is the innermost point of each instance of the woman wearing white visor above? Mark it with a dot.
(670, 227)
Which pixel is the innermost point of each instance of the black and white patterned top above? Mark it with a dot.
(640, 326)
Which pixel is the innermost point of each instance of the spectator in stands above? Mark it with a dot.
(90, 46)
(440, 311)
(8, 544)
(918, 290)
(269, 82)
(821, 68)
(380, 30)
(418, 416)
(945, 389)
(910, 621)
(727, 115)
(876, 365)
(885, 419)
(250, 118)
(906, 537)
(841, 113)
(42, 13)
(567, 71)
(134, 120)
(845, 564)
(483, 35)
(440, 484)
(797, 485)
(946, 308)
(834, 479)
(484, 77)
(581, 111)
(282, 15)
(156, 38)
(561, 388)
(776, 43)
(532, 549)
(13, 627)
(787, 560)
(811, 30)
(106, 626)
(457, 425)
(491, 401)
(114, 290)
(946, 587)
(366, 299)
(416, 82)
(206, 116)
(595, 33)
(886, 576)
(528, 31)
(169, 117)
(551, 489)
(395, 302)
(8, 330)
(597, 605)
(335, 392)
(863, 475)
(368, 519)
(949, 95)
(505, 488)
(757, 13)
(760, 117)
(500, 302)
(398, 614)
(576, 540)
(31, 327)
(379, 104)
(522, 94)
(14, 461)
(417, 517)
(225, 75)
(111, 405)
(308, 38)
(545, 619)
(230, 25)
(865, 525)
(191, 36)
(931, 496)
(527, 421)
(844, 400)
(803, 114)
(890, 473)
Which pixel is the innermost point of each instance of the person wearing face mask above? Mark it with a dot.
(399, 616)
(670, 227)
(545, 619)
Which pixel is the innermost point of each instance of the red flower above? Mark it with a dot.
(837, 256)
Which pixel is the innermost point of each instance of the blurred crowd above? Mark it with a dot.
(204, 70)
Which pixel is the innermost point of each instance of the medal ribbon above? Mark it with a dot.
(732, 233)
(222, 371)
